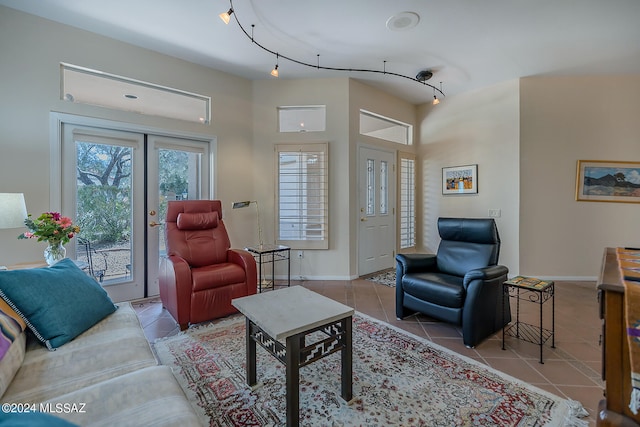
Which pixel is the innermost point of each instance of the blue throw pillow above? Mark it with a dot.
(31, 419)
(58, 303)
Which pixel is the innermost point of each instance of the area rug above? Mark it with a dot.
(386, 277)
(398, 380)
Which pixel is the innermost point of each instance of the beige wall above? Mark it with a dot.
(563, 120)
(525, 137)
(31, 50)
(480, 128)
(268, 95)
(365, 97)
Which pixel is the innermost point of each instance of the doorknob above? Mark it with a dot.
(363, 219)
(154, 224)
(152, 212)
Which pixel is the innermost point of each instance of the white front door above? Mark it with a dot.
(116, 184)
(376, 200)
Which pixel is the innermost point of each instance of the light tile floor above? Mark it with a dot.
(571, 370)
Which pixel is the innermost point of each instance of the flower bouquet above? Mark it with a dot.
(53, 228)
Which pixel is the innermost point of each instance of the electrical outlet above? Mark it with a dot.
(495, 213)
(300, 254)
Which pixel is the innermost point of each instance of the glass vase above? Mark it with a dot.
(54, 253)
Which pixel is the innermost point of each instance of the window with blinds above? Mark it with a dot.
(302, 195)
(407, 202)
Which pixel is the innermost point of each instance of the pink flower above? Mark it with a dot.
(65, 221)
(28, 235)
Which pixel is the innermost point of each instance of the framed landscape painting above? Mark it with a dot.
(608, 181)
(460, 179)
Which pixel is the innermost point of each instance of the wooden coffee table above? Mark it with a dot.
(289, 316)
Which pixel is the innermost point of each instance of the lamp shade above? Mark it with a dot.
(13, 210)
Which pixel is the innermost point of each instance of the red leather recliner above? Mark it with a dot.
(200, 274)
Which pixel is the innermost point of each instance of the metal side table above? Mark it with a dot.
(265, 254)
(522, 288)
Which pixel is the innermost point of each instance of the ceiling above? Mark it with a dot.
(468, 44)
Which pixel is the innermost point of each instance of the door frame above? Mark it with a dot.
(56, 122)
(393, 202)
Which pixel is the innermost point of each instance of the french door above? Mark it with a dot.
(116, 184)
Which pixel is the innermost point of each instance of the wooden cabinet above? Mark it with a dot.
(614, 408)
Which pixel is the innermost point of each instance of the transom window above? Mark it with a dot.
(382, 127)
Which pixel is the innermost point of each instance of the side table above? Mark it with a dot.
(265, 254)
(534, 290)
(283, 323)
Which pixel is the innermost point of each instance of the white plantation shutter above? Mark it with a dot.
(302, 195)
(407, 202)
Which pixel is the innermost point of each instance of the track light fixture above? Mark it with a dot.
(436, 101)
(421, 77)
(274, 72)
(226, 16)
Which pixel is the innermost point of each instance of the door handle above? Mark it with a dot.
(154, 224)
(152, 212)
(363, 219)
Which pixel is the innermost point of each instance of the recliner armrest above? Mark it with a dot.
(248, 263)
(412, 263)
(487, 273)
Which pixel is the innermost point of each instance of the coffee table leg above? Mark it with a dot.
(251, 355)
(347, 361)
(293, 380)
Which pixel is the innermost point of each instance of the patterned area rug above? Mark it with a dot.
(386, 277)
(398, 380)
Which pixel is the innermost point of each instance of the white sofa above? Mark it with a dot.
(107, 376)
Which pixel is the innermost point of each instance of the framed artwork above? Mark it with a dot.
(460, 180)
(608, 181)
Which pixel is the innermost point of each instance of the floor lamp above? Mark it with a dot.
(13, 212)
(244, 204)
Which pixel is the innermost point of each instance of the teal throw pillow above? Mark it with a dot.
(30, 419)
(58, 303)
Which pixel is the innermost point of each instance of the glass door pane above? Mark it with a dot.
(178, 169)
(104, 190)
(104, 210)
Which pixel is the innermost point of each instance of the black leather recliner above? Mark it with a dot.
(461, 284)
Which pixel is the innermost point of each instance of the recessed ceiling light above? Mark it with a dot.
(129, 96)
(403, 21)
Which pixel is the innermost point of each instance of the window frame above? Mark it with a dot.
(304, 149)
(411, 204)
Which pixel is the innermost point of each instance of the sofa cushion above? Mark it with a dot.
(113, 347)
(12, 344)
(437, 288)
(57, 303)
(148, 397)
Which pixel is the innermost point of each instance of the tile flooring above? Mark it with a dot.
(571, 370)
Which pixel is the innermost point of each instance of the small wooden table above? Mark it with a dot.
(290, 315)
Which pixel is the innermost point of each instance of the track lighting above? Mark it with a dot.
(226, 16)
(421, 77)
(436, 101)
(274, 72)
